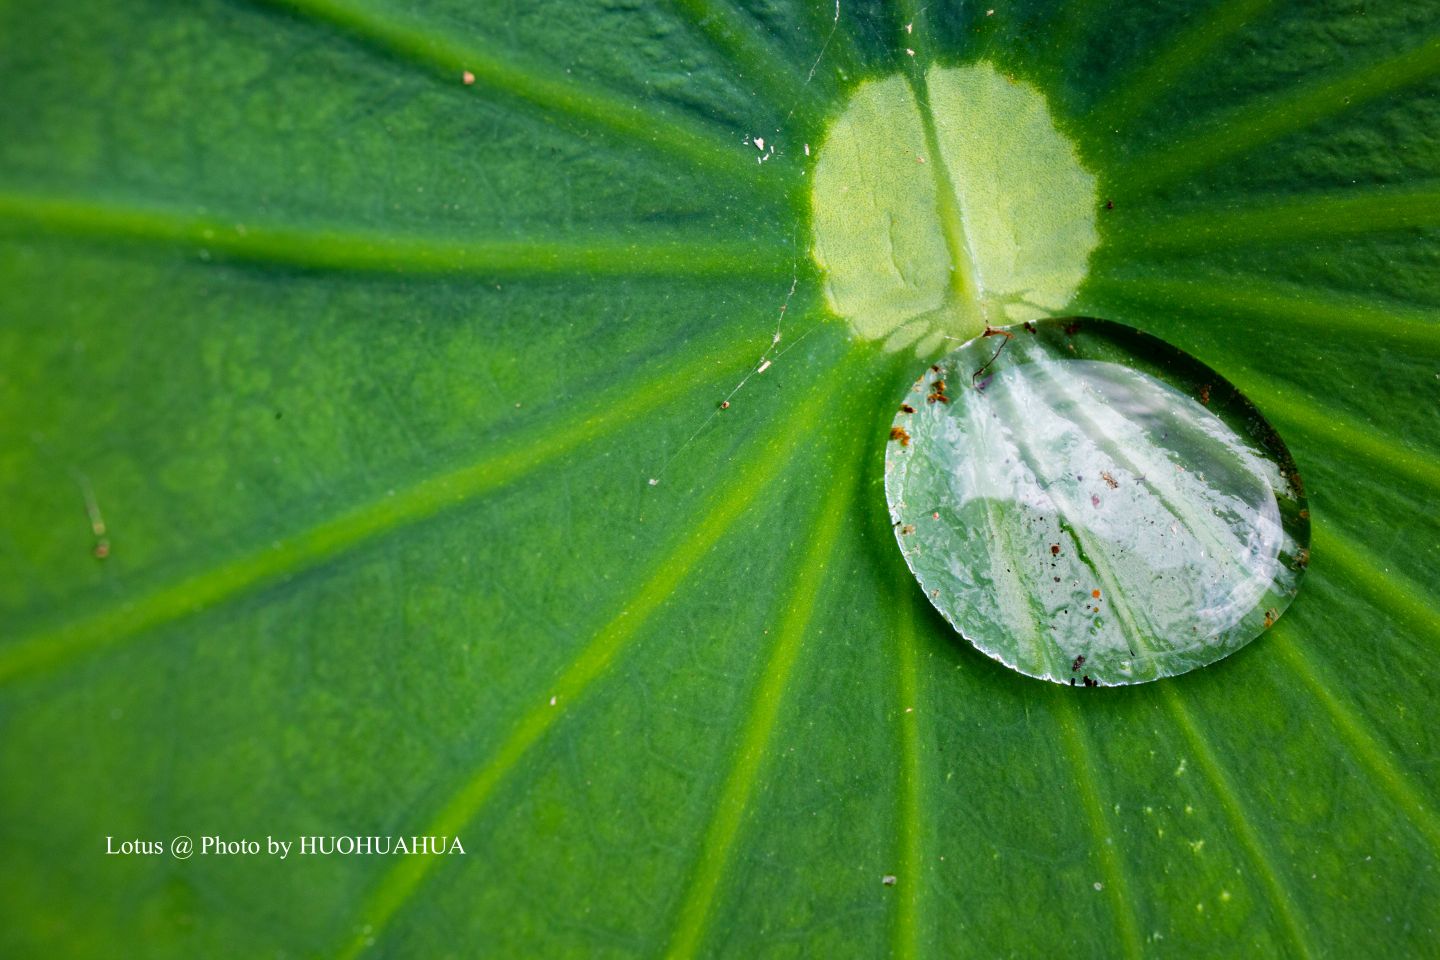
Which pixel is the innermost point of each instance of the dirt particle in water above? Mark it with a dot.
(1078, 663)
(992, 332)
(899, 433)
(1109, 480)
(906, 408)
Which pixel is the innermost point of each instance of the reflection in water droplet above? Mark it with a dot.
(1090, 505)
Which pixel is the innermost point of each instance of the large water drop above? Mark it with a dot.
(1089, 505)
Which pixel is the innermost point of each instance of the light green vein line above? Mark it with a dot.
(905, 933)
(1280, 896)
(726, 507)
(1198, 41)
(752, 50)
(1285, 303)
(964, 282)
(1319, 417)
(309, 548)
(1116, 883)
(1261, 220)
(1361, 569)
(1340, 431)
(437, 48)
(1237, 131)
(332, 249)
(1362, 740)
(694, 912)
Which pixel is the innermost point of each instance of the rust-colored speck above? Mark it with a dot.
(906, 408)
(1095, 594)
(898, 433)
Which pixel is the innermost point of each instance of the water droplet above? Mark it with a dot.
(1110, 510)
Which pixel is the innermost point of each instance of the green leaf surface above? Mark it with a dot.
(360, 372)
